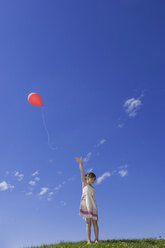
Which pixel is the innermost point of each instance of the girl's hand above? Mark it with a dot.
(79, 159)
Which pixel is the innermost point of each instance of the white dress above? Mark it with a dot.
(88, 207)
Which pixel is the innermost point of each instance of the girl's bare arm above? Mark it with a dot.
(81, 169)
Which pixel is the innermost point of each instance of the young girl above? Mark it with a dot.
(88, 208)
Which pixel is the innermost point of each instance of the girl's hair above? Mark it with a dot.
(90, 174)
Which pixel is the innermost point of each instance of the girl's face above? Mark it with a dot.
(90, 180)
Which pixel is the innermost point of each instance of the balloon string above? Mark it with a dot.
(43, 118)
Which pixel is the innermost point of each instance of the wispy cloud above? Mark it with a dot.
(58, 187)
(89, 154)
(87, 158)
(51, 193)
(121, 125)
(19, 176)
(5, 186)
(36, 178)
(29, 193)
(103, 177)
(43, 191)
(123, 173)
(101, 142)
(50, 196)
(32, 183)
(131, 106)
(35, 173)
(64, 182)
(123, 166)
(51, 161)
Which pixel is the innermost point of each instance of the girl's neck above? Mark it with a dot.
(90, 184)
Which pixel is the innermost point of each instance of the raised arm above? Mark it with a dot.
(81, 169)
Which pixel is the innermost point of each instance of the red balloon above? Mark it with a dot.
(34, 99)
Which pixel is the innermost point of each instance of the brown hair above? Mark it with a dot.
(90, 174)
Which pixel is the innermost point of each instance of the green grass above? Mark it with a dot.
(122, 243)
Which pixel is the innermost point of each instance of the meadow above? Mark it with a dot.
(122, 243)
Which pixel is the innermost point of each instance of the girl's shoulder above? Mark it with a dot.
(92, 188)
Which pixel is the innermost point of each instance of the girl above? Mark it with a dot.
(88, 208)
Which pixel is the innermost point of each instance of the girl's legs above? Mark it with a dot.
(96, 228)
(88, 229)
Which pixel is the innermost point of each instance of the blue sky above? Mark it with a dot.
(99, 69)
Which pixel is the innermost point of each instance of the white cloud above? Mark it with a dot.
(5, 186)
(131, 106)
(58, 187)
(43, 191)
(87, 158)
(89, 170)
(19, 176)
(36, 178)
(35, 173)
(102, 141)
(49, 198)
(29, 193)
(123, 166)
(51, 161)
(51, 193)
(101, 178)
(123, 172)
(32, 183)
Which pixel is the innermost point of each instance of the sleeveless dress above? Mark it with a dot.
(88, 207)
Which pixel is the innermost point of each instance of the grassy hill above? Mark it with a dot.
(122, 243)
